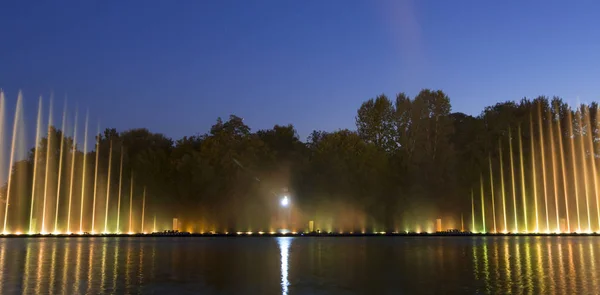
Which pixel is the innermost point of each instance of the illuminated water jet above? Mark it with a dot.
(523, 190)
(585, 171)
(533, 169)
(143, 207)
(18, 110)
(512, 176)
(83, 171)
(592, 157)
(46, 174)
(95, 178)
(108, 186)
(564, 169)
(472, 212)
(73, 153)
(492, 190)
(542, 151)
(131, 203)
(35, 162)
(119, 194)
(574, 164)
(503, 194)
(482, 203)
(554, 172)
(60, 160)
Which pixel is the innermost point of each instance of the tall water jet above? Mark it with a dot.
(542, 149)
(35, 162)
(2, 139)
(154, 223)
(472, 213)
(18, 110)
(119, 194)
(60, 160)
(46, 174)
(589, 135)
(554, 169)
(595, 173)
(482, 203)
(95, 178)
(492, 190)
(108, 187)
(523, 189)
(512, 176)
(87, 115)
(564, 168)
(143, 207)
(585, 171)
(574, 164)
(131, 204)
(533, 169)
(73, 153)
(502, 186)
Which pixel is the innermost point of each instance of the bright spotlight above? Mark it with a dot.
(285, 201)
(18, 233)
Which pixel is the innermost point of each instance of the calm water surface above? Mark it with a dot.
(352, 265)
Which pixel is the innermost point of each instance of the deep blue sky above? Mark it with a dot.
(175, 66)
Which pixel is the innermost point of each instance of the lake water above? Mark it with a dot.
(308, 265)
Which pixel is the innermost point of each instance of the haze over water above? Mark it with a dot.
(376, 265)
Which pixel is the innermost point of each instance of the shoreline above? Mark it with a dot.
(298, 234)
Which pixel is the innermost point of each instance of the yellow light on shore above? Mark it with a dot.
(261, 232)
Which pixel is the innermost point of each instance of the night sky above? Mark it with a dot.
(175, 66)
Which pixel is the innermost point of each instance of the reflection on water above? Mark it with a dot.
(284, 247)
(444, 265)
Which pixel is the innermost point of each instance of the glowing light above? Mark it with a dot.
(285, 201)
(130, 233)
(17, 233)
(249, 233)
(271, 232)
(239, 233)
(261, 232)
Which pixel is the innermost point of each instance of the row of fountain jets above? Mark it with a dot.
(49, 226)
(545, 195)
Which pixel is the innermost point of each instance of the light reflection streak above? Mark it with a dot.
(103, 269)
(52, 268)
(551, 281)
(583, 273)
(284, 247)
(572, 283)
(2, 261)
(561, 270)
(27, 270)
(40, 271)
(540, 267)
(528, 271)
(593, 267)
(77, 284)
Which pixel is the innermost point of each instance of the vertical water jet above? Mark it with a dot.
(60, 160)
(523, 189)
(482, 203)
(108, 187)
(119, 194)
(554, 172)
(585, 170)
(154, 223)
(503, 194)
(87, 114)
(472, 213)
(563, 167)
(492, 190)
(131, 203)
(512, 176)
(543, 153)
(35, 160)
(46, 174)
(18, 108)
(574, 164)
(72, 174)
(143, 207)
(533, 169)
(96, 164)
(589, 136)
